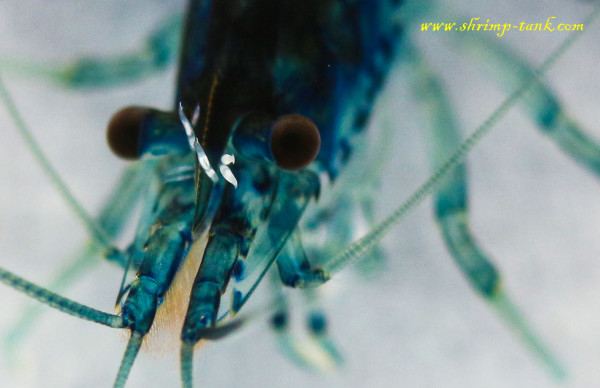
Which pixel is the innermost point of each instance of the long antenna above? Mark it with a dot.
(95, 231)
(368, 241)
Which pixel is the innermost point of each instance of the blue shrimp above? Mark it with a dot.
(354, 297)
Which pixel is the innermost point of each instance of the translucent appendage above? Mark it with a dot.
(294, 191)
(157, 53)
(540, 103)
(112, 218)
(133, 348)
(58, 302)
(372, 238)
(317, 352)
(451, 210)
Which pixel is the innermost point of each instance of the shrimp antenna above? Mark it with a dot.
(94, 230)
(496, 296)
(97, 233)
(61, 303)
(209, 333)
(215, 333)
(186, 357)
(365, 243)
(131, 352)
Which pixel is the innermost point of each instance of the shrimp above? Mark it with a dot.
(416, 324)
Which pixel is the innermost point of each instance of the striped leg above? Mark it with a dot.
(451, 210)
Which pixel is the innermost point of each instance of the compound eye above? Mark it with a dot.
(124, 131)
(295, 141)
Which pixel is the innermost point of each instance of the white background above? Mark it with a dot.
(419, 324)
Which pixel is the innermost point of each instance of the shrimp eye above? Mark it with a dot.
(124, 130)
(295, 141)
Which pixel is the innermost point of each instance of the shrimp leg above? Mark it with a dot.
(483, 275)
(157, 53)
(541, 104)
(325, 354)
(451, 211)
(370, 240)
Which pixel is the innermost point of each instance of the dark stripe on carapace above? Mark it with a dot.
(233, 76)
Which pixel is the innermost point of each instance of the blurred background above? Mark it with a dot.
(418, 324)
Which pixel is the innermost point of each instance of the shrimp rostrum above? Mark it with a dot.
(272, 100)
